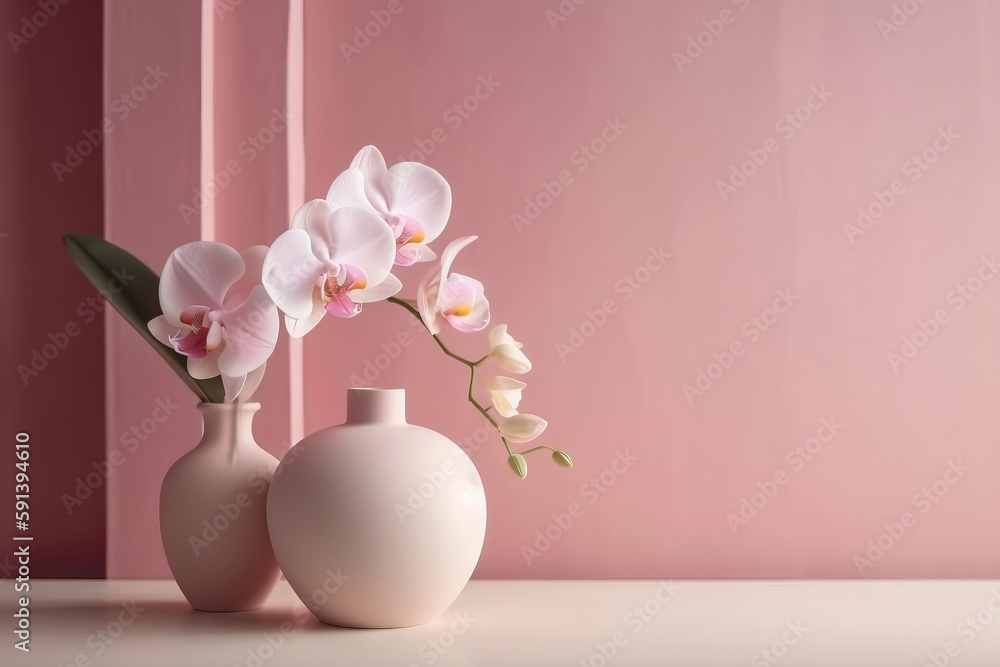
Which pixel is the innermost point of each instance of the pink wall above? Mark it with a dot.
(204, 155)
(657, 472)
(655, 186)
(53, 340)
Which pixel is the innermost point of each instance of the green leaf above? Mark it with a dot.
(109, 267)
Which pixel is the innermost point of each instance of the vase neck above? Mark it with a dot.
(227, 424)
(376, 406)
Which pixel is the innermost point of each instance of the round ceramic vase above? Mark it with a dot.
(377, 523)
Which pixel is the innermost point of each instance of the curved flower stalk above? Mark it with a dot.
(412, 198)
(217, 314)
(505, 394)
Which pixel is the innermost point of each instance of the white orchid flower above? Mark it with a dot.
(412, 198)
(506, 352)
(523, 428)
(506, 394)
(329, 262)
(458, 299)
(217, 314)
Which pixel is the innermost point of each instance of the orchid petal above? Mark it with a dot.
(372, 166)
(506, 351)
(342, 305)
(418, 191)
(163, 330)
(299, 328)
(451, 251)
(290, 273)
(202, 368)
(499, 336)
(214, 338)
(253, 381)
(476, 320)
(458, 292)
(409, 254)
(233, 386)
(253, 262)
(358, 237)
(310, 212)
(523, 428)
(506, 394)
(426, 296)
(348, 189)
(251, 334)
(198, 273)
(388, 287)
(511, 358)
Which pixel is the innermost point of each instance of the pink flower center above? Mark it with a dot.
(334, 294)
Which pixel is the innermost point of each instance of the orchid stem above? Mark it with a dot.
(535, 449)
(471, 364)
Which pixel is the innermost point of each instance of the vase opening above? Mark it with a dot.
(376, 406)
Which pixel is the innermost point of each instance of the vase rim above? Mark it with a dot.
(208, 405)
(376, 404)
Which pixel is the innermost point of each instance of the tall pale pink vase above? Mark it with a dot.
(213, 516)
(377, 523)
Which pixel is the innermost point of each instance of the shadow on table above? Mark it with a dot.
(172, 616)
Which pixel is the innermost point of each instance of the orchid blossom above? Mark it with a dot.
(217, 314)
(457, 298)
(412, 198)
(523, 428)
(506, 394)
(330, 261)
(506, 352)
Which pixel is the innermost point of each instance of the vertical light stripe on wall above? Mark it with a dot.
(296, 191)
(208, 114)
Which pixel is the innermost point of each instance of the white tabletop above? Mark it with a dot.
(532, 623)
